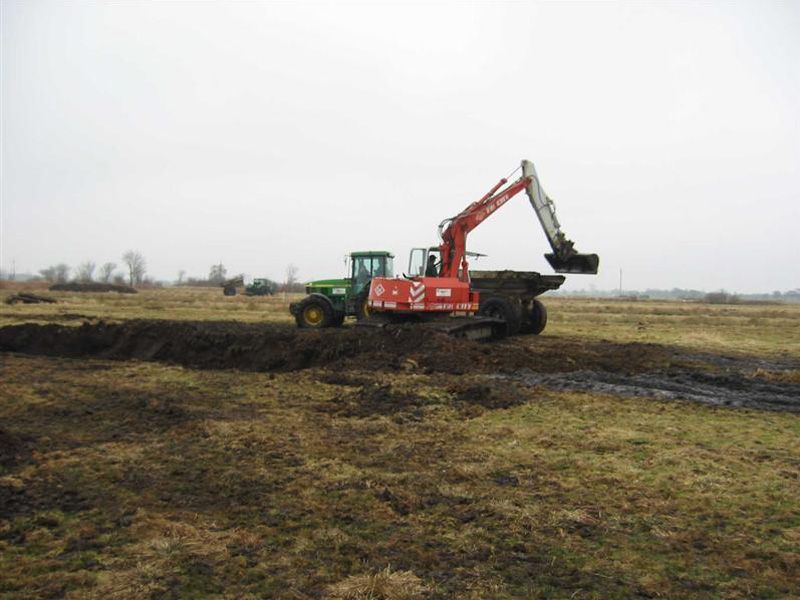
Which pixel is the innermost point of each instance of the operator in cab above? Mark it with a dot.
(431, 270)
(363, 274)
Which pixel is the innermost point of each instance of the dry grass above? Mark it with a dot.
(383, 585)
(138, 479)
(749, 329)
(169, 303)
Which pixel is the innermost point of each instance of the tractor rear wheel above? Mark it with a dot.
(362, 305)
(500, 307)
(314, 313)
(229, 290)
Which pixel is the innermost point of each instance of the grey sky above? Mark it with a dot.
(259, 134)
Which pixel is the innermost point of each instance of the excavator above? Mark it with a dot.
(441, 291)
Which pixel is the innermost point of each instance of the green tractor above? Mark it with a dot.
(329, 301)
(261, 287)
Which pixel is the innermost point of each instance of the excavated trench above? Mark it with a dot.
(633, 369)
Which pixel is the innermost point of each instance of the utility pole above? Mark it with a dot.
(620, 281)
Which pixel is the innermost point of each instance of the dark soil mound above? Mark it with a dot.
(91, 287)
(269, 347)
(29, 298)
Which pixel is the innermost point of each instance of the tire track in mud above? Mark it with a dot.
(729, 389)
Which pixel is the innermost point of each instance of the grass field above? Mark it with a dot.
(128, 479)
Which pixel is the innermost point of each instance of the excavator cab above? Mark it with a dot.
(419, 262)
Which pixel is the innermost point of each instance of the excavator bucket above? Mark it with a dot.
(584, 264)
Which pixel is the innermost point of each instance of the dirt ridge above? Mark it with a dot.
(278, 347)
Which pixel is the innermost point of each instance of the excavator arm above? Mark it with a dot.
(563, 259)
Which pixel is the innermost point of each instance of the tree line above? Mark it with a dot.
(133, 261)
(135, 273)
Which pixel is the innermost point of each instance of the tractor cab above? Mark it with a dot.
(366, 265)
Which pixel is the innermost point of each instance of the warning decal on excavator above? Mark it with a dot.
(443, 292)
(416, 292)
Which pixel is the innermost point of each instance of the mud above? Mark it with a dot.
(14, 448)
(92, 287)
(347, 354)
(736, 389)
(270, 347)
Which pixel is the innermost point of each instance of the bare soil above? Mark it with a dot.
(629, 369)
(93, 286)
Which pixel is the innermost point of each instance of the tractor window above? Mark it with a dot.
(387, 266)
(367, 267)
(362, 269)
(416, 262)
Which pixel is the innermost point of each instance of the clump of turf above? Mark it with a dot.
(383, 585)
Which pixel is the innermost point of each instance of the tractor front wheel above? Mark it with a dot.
(314, 313)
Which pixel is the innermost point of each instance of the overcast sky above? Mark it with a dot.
(259, 134)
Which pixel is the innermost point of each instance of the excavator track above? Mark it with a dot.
(471, 328)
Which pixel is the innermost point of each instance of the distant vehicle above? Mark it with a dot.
(261, 286)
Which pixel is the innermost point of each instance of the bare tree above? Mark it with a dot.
(62, 272)
(106, 272)
(181, 275)
(291, 277)
(217, 273)
(137, 266)
(56, 274)
(49, 274)
(85, 271)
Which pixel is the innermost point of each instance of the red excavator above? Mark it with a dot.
(439, 288)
